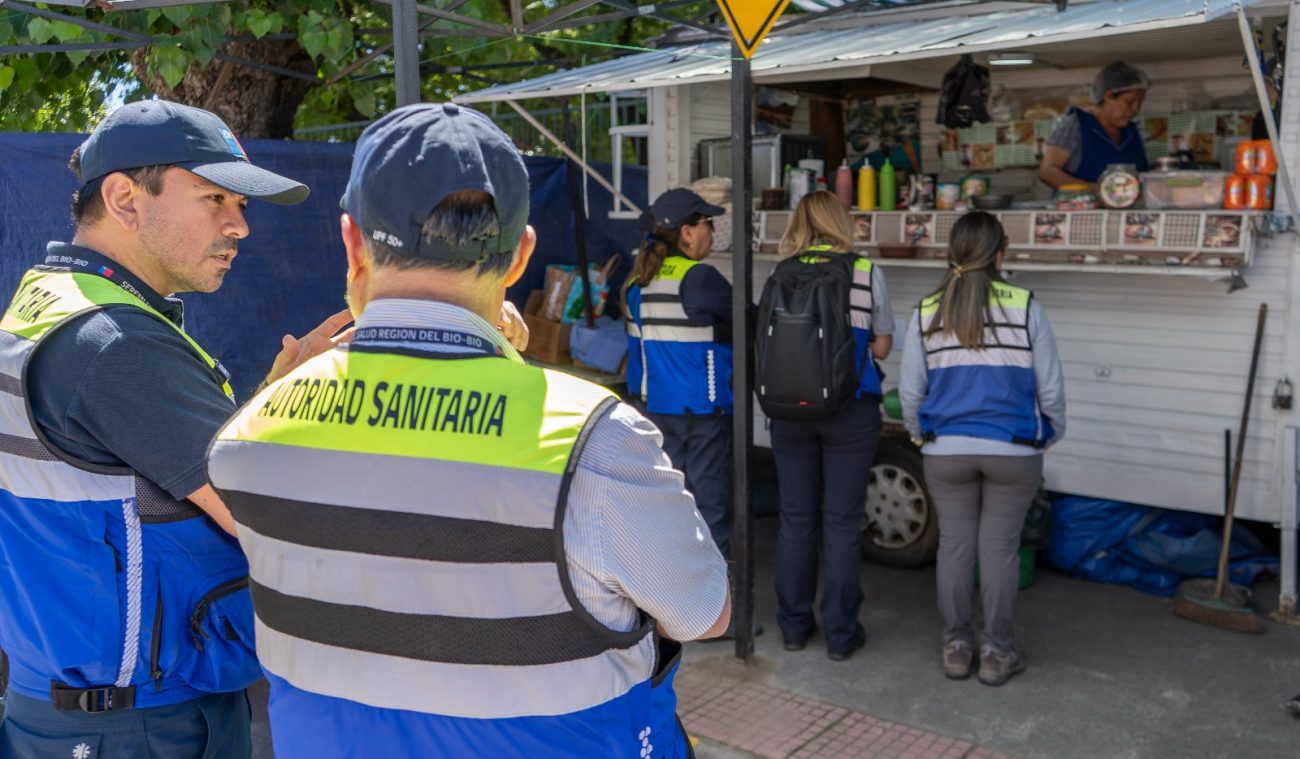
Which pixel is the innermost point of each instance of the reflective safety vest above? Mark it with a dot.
(861, 305)
(403, 517)
(113, 594)
(990, 392)
(679, 368)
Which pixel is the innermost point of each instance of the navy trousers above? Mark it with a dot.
(700, 448)
(822, 471)
(212, 727)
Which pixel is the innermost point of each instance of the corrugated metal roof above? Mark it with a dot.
(897, 40)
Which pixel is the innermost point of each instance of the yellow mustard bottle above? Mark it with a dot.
(866, 187)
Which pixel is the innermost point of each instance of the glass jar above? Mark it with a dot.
(1075, 197)
(1119, 186)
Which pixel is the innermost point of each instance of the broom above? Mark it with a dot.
(1218, 602)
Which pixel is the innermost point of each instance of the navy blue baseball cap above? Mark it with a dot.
(676, 207)
(410, 160)
(162, 133)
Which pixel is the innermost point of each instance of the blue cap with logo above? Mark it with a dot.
(410, 160)
(162, 133)
(677, 206)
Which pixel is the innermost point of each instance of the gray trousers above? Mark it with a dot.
(982, 502)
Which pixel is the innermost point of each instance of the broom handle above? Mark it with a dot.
(1222, 580)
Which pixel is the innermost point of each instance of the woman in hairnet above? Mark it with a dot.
(1086, 141)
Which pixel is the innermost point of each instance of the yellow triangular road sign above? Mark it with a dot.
(751, 20)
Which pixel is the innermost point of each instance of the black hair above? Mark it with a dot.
(462, 218)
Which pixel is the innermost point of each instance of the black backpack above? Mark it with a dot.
(805, 364)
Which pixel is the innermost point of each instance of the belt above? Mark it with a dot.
(108, 698)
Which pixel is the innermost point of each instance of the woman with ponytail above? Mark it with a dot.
(983, 393)
(823, 465)
(679, 350)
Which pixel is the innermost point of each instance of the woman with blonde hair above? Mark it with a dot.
(823, 466)
(982, 391)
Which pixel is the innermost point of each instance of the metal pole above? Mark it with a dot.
(742, 282)
(1288, 524)
(1252, 55)
(579, 220)
(406, 53)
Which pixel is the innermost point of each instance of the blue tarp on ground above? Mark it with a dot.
(290, 271)
(1148, 548)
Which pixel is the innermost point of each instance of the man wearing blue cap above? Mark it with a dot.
(124, 606)
(451, 552)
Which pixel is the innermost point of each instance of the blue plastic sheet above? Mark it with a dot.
(289, 274)
(1147, 548)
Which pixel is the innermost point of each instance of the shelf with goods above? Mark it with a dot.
(1188, 242)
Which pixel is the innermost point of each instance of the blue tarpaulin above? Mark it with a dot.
(1148, 548)
(289, 274)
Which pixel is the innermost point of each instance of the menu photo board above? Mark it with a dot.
(1141, 229)
(1051, 228)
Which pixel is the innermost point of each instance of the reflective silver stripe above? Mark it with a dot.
(861, 298)
(25, 447)
(632, 329)
(1010, 337)
(408, 586)
(859, 319)
(665, 333)
(662, 311)
(455, 690)
(55, 480)
(13, 416)
(134, 579)
(712, 378)
(325, 476)
(10, 385)
(13, 352)
(987, 357)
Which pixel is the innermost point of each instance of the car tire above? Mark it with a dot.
(900, 525)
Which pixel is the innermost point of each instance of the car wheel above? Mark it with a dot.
(901, 528)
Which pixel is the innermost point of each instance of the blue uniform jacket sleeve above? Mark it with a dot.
(913, 381)
(1047, 371)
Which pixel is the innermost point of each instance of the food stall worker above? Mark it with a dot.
(679, 350)
(1086, 141)
(981, 385)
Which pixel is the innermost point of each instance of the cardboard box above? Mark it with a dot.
(548, 341)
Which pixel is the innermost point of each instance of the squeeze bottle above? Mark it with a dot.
(888, 191)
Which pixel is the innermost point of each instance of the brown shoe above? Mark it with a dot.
(996, 667)
(957, 658)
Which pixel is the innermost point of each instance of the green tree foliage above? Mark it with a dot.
(181, 59)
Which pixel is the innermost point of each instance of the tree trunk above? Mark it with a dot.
(255, 103)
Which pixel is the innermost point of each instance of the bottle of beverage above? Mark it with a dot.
(866, 187)
(785, 179)
(844, 183)
(888, 190)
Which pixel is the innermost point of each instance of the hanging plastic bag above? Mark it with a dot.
(964, 95)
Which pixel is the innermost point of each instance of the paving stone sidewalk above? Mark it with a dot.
(764, 721)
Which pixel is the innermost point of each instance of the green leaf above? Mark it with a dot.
(6, 31)
(313, 41)
(259, 23)
(364, 99)
(65, 31)
(170, 63)
(78, 57)
(178, 14)
(40, 30)
(6, 77)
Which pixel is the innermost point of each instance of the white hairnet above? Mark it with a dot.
(1118, 77)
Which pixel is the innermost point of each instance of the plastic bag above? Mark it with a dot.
(964, 95)
(564, 299)
(603, 346)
